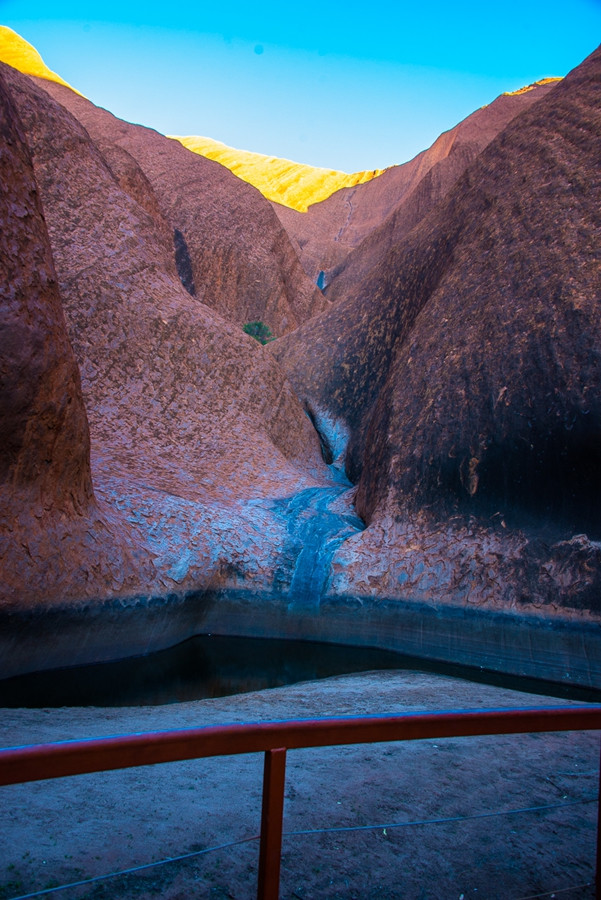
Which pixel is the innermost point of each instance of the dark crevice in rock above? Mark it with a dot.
(542, 479)
(183, 262)
(326, 450)
(333, 439)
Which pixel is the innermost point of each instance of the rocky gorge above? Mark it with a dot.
(413, 463)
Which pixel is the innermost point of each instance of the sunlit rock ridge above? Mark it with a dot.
(21, 55)
(295, 185)
(292, 184)
(531, 87)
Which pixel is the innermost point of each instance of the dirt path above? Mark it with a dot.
(73, 828)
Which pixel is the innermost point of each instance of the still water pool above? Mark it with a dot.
(215, 666)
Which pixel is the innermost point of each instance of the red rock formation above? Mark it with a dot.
(462, 370)
(46, 443)
(500, 367)
(190, 419)
(241, 261)
(467, 369)
(329, 231)
(52, 531)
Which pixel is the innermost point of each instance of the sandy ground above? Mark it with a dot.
(69, 829)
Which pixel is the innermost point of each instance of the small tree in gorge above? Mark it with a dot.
(260, 331)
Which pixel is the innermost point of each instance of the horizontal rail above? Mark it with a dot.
(42, 761)
(56, 760)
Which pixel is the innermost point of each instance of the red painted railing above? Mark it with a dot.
(35, 763)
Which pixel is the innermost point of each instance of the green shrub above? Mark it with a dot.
(260, 331)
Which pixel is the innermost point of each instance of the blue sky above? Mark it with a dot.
(346, 85)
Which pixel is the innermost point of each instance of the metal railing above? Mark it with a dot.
(42, 761)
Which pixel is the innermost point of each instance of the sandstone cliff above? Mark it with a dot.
(232, 252)
(287, 183)
(160, 462)
(55, 539)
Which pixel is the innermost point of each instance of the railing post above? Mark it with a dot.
(274, 774)
(598, 860)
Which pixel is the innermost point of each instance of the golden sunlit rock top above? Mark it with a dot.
(19, 53)
(530, 87)
(292, 184)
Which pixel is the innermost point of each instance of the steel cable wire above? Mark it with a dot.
(574, 887)
(299, 833)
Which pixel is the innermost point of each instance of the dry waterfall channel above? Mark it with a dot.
(318, 521)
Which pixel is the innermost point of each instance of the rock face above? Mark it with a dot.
(19, 53)
(456, 380)
(510, 334)
(240, 258)
(45, 430)
(327, 233)
(190, 419)
(53, 534)
(294, 185)
(466, 369)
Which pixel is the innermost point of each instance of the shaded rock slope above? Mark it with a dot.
(465, 370)
(329, 231)
(53, 532)
(232, 252)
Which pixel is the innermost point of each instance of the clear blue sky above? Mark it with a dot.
(346, 85)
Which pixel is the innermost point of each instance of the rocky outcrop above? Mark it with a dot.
(497, 379)
(242, 262)
(292, 184)
(54, 537)
(327, 233)
(191, 421)
(466, 369)
(45, 430)
(237, 250)
(455, 379)
(15, 51)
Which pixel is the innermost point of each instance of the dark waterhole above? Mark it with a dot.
(214, 666)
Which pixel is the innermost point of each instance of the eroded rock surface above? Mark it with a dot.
(45, 431)
(456, 378)
(466, 370)
(54, 537)
(327, 233)
(242, 261)
(190, 419)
